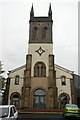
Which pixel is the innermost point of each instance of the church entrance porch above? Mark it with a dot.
(63, 100)
(39, 99)
(15, 99)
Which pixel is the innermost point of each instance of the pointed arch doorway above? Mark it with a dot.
(39, 99)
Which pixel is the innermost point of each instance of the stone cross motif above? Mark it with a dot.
(40, 51)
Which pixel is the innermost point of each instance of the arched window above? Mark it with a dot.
(39, 92)
(63, 80)
(17, 80)
(44, 32)
(40, 69)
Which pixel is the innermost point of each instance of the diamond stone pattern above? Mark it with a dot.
(40, 51)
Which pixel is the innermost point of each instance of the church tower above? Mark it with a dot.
(39, 88)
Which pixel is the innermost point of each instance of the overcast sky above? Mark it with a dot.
(14, 31)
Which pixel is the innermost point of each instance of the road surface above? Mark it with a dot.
(43, 116)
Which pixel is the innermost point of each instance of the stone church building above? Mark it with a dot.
(40, 83)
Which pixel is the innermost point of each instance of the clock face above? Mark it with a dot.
(40, 51)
